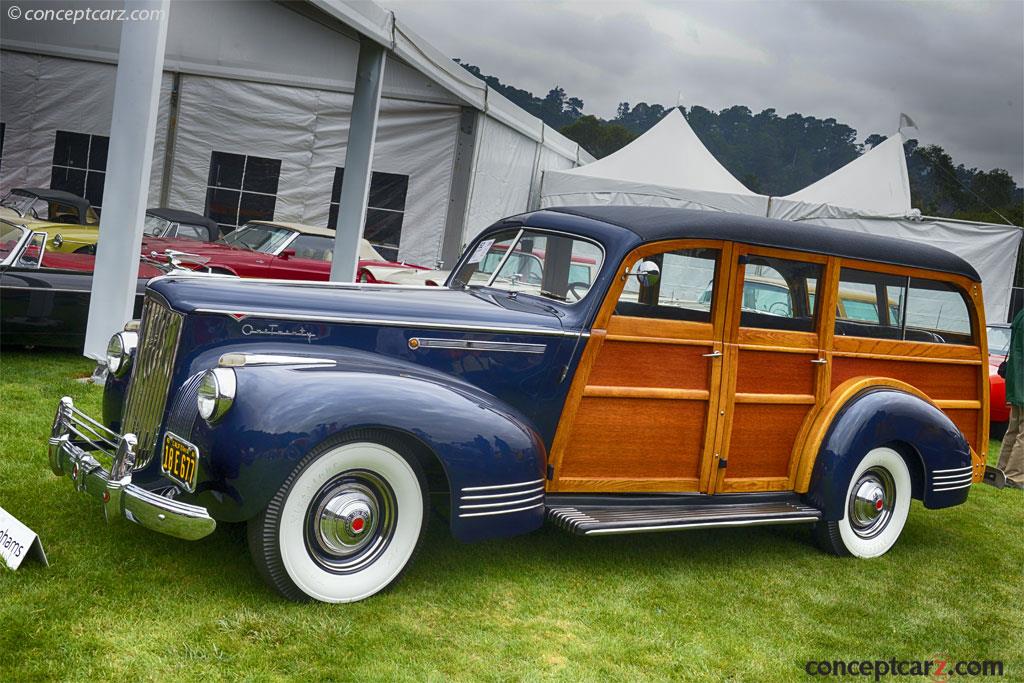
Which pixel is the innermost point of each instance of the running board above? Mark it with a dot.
(595, 520)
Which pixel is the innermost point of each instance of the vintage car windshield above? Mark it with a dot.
(25, 205)
(998, 340)
(550, 265)
(154, 226)
(10, 235)
(259, 237)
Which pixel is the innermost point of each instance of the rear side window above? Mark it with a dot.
(778, 294)
(937, 312)
(870, 304)
(884, 306)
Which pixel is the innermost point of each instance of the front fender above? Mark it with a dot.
(884, 416)
(282, 412)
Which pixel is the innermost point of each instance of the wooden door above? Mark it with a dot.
(643, 407)
(775, 368)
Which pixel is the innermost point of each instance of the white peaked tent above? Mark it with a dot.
(666, 166)
(874, 184)
(871, 194)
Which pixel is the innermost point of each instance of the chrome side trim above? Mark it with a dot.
(307, 284)
(954, 469)
(951, 478)
(500, 512)
(951, 488)
(502, 486)
(504, 503)
(421, 324)
(474, 345)
(241, 360)
(539, 489)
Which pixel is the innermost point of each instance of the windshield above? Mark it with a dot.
(25, 204)
(259, 237)
(154, 226)
(998, 340)
(533, 262)
(9, 237)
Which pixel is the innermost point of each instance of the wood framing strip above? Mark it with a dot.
(646, 392)
(778, 399)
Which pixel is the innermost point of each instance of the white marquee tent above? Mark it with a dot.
(666, 166)
(669, 166)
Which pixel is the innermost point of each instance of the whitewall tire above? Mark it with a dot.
(875, 508)
(345, 524)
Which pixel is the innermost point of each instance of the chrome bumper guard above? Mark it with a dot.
(75, 435)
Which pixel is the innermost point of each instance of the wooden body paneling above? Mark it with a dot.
(648, 412)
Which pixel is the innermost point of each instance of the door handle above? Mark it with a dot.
(820, 361)
(715, 354)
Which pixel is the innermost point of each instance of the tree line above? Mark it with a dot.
(778, 155)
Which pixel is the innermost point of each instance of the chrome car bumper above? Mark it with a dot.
(75, 435)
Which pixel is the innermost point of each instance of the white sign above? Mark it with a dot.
(17, 542)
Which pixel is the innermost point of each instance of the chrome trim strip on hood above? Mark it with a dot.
(421, 324)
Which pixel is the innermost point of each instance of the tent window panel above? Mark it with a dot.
(241, 188)
(3, 134)
(385, 210)
(80, 164)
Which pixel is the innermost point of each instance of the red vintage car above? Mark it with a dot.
(265, 249)
(998, 344)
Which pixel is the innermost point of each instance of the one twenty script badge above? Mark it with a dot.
(273, 330)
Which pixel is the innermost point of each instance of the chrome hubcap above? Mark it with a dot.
(872, 502)
(350, 521)
(347, 521)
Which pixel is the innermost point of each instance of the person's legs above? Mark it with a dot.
(1011, 456)
(1010, 437)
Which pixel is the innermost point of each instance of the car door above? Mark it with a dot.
(642, 411)
(775, 368)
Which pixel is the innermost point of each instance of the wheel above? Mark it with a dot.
(345, 523)
(877, 505)
(89, 249)
(997, 430)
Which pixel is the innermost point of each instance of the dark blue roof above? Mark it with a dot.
(651, 224)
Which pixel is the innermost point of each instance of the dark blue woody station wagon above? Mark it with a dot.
(643, 376)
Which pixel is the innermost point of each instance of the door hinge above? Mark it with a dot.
(551, 472)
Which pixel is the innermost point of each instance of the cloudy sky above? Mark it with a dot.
(956, 68)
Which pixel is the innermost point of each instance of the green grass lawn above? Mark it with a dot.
(734, 604)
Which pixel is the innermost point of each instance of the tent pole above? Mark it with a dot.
(129, 162)
(355, 184)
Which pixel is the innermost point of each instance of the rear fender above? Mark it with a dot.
(933, 446)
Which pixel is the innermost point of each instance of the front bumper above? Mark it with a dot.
(75, 435)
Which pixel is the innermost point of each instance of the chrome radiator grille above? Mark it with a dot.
(151, 376)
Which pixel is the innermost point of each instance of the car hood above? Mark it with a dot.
(429, 307)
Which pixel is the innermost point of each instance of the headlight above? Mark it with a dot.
(119, 352)
(216, 393)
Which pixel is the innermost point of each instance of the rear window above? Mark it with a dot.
(883, 306)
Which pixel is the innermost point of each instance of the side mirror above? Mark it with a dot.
(647, 273)
(287, 254)
(32, 254)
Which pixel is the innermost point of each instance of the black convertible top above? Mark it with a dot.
(48, 195)
(188, 217)
(651, 223)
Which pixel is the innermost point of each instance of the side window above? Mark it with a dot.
(192, 232)
(778, 294)
(937, 312)
(858, 313)
(313, 247)
(682, 289)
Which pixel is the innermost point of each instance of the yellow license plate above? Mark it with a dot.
(180, 460)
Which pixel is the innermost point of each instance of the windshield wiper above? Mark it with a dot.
(552, 295)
